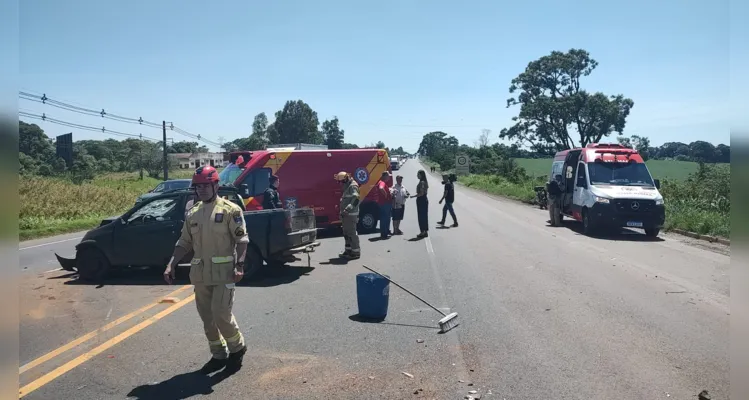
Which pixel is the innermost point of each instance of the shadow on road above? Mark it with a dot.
(416, 239)
(335, 261)
(624, 234)
(267, 277)
(276, 276)
(179, 387)
(358, 318)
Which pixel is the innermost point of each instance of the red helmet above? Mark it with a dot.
(205, 174)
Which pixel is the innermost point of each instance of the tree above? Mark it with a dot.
(639, 143)
(332, 134)
(723, 153)
(398, 152)
(702, 151)
(380, 144)
(184, 147)
(484, 138)
(551, 101)
(260, 125)
(258, 139)
(33, 142)
(297, 123)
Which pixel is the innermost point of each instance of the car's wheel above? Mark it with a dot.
(92, 264)
(652, 232)
(253, 261)
(368, 217)
(589, 227)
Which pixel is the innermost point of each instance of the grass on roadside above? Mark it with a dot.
(51, 206)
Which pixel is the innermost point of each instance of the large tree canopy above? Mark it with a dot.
(332, 134)
(555, 113)
(297, 123)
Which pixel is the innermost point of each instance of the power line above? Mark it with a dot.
(45, 118)
(86, 111)
(43, 99)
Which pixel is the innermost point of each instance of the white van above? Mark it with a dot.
(605, 186)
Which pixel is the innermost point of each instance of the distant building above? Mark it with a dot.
(195, 160)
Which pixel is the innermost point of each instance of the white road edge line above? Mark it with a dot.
(47, 244)
(430, 249)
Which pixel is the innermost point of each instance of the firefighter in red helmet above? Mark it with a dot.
(215, 230)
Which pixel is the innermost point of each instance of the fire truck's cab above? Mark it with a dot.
(605, 186)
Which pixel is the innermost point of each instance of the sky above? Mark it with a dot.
(390, 70)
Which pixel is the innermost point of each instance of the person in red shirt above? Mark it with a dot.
(385, 201)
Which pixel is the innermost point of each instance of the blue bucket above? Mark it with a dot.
(372, 293)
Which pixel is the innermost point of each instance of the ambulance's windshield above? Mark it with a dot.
(624, 174)
(230, 174)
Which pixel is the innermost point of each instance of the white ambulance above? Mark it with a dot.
(605, 186)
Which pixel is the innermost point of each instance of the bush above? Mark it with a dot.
(701, 203)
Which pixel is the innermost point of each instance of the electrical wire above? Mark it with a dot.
(43, 99)
(45, 118)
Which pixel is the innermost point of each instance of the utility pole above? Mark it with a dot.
(166, 161)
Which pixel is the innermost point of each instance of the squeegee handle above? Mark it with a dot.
(407, 291)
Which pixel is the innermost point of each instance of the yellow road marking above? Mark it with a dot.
(101, 348)
(54, 353)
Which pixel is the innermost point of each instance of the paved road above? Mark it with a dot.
(545, 313)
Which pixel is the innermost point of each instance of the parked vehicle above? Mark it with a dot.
(307, 180)
(605, 186)
(145, 235)
(165, 186)
(395, 163)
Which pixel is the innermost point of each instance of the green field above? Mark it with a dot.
(51, 206)
(660, 169)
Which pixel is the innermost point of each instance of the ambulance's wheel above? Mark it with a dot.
(92, 264)
(253, 261)
(589, 227)
(368, 217)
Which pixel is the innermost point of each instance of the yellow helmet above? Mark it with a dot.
(341, 176)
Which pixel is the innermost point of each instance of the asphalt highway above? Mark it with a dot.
(545, 313)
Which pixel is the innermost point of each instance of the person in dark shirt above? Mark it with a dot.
(449, 198)
(271, 200)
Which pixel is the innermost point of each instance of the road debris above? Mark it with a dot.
(681, 291)
(371, 377)
(419, 340)
(473, 391)
(417, 391)
(704, 395)
(169, 300)
(407, 374)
